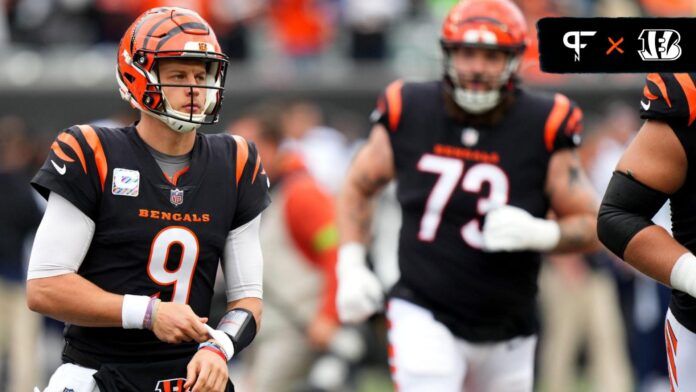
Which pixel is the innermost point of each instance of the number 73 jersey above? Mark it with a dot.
(449, 176)
(154, 235)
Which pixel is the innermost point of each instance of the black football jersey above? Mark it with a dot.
(154, 235)
(449, 175)
(671, 98)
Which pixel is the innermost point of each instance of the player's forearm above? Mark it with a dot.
(354, 214)
(653, 252)
(578, 234)
(75, 300)
(254, 305)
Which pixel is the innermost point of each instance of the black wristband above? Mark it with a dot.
(239, 324)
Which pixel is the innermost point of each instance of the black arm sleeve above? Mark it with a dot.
(627, 208)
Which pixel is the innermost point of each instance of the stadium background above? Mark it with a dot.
(57, 69)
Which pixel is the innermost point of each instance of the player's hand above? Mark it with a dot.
(510, 229)
(321, 331)
(359, 293)
(176, 323)
(206, 372)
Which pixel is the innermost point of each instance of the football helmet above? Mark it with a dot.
(491, 24)
(170, 33)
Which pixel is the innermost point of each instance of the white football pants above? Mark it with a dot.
(425, 356)
(681, 354)
(72, 377)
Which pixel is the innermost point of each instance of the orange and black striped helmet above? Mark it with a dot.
(490, 24)
(495, 24)
(166, 33)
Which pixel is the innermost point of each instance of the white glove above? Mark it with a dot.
(511, 229)
(359, 292)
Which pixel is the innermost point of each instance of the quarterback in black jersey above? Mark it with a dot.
(140, 218)
(479, 162)
(655, 168)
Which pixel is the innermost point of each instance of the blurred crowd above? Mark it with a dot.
(296, 35)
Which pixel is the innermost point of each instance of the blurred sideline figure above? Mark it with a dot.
(579, 297)
(300, 241)
(479, 162)
(656, 168)
(140, 218)
(323, 149)
(644, 300)
(19, 216)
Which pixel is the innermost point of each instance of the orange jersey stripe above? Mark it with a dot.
(242, 156)
(99, 156)
(575, 117)
(671, 350)
(175, 177)
(648, 94)
(672, 336)
(657, 79)
(394, 103)
(72, 142)
(256, 168)
(690, 92)
(60, 153)
(560, 109)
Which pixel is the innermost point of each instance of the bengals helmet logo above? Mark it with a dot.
(171, 385)
(660, 45)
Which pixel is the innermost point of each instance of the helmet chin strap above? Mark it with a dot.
(475, 101)
(179, 124)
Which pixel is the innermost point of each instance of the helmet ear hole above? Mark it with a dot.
(129, 77)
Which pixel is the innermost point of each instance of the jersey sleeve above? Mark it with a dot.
(75, 169)
(389, 107)
(311, 220)
(563, 128)
(669, 97)
(252, 183)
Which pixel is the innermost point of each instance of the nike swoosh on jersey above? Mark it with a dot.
(59, 169)
(646, 106)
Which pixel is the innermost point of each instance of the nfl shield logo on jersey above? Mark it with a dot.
(470, 136)
(176, 196)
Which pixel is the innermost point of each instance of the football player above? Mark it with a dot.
(140, 217)
(655, 168)
(479, 162)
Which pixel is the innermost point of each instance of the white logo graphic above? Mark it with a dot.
(60, 170)
(125, 182)
(176, 197)
(575, 44)
(646, 106)
(660, 45)
(480, 37)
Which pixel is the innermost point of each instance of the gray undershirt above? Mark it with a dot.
(170, 164)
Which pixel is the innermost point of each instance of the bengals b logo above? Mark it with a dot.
(171, 385)
(660, 45)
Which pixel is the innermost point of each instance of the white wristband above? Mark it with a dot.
(547, 236)
(350, 255)
(133, 311)
(683, 275)
(222, 339)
